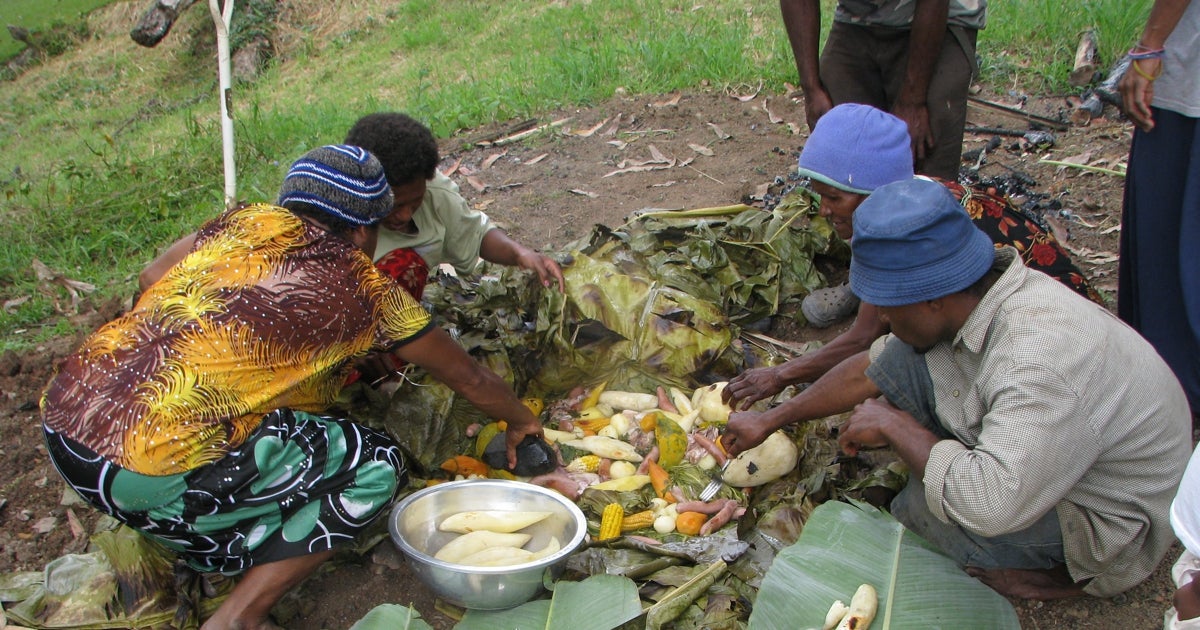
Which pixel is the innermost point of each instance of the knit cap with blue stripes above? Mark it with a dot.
(345, 181)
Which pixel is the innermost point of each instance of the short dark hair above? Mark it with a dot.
(405, 147)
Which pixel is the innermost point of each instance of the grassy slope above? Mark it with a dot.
(38, 15)
(110, 152)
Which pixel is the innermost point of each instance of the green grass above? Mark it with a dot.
(1031, 44)
(40, 15)
(112, 151)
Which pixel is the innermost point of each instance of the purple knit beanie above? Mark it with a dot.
(858, 148)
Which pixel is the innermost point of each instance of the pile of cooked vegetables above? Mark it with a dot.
(636, 462)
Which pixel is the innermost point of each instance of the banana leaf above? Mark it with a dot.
(391, 617)
(127, 583)
(845, 545)
(601, 602)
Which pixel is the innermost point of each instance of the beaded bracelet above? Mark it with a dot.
(1148, 77)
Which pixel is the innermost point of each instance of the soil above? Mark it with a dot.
(714, 149)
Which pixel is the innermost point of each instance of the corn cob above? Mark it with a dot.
(637, 521)
(584, 463)
(610, 521)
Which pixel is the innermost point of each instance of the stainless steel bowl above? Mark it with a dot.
(414, 528)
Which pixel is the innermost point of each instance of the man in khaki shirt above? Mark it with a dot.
(1045, 438)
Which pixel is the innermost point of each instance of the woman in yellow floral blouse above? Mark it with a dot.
(196, 416)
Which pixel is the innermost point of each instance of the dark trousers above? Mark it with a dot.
(866, 64)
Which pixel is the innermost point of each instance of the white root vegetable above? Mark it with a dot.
(498, 557)
(713, 409)
(474, 542)
(681, 400)
(492, 520)
(629, 400)
(550, 549)
(621, 423)
(620, 469)
(505, 556)
(688, 420)
(606, 447)
(772, 459)
(836, 612)
(862, 609)
(553, 435)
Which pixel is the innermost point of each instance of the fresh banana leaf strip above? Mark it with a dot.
(392, 617)
(598, 603)
(675, 603)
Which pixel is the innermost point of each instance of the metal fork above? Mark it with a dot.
(714, 486)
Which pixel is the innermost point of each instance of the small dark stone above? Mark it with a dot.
(534, 456)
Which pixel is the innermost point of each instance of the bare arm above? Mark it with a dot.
(838, 391)
(759, 383)
(159, 266)
(876, 423)
(498, 247)
(924, 48)
(1187, 600)
(446, 361)
(1137, 91)
(802, 20)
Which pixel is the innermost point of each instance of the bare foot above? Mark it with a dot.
(1029, 583)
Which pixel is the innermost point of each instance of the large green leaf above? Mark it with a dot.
(843, 546)
(600, 602)
(392, 617)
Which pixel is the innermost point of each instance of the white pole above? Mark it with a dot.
(222, 21)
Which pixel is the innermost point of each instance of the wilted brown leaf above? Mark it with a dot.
(656, 154)
(775, 120)
(720, 132)
(476, 184)
(491, 159)
(701, 149)
(535, 160)
(452, 168)
(11, 305)
(583, 193)
(671, 102)
(587, 133)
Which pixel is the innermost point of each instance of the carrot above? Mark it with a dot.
(659, 478)
(465, 465)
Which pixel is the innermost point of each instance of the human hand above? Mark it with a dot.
(916, 116)
(515, 433)
(752, 386)
(544, 266)
(376, 368)
(745, 430)
(815, 105)
(1137, 91)
(865, 428)
(1187, 600)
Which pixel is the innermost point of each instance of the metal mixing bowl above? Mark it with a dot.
(414, 528)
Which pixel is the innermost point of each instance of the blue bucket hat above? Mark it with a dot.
(343, 180)
(914, 242)
(857, 148)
